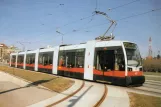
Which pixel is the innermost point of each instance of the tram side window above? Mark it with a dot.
(72, 58)
(80, 55)
(119, 60)
(46, 58)
(40, 59)
(20, 59)
(30, 59)
(50, 58)
(27, 60)
(13, 59)
(62, 59)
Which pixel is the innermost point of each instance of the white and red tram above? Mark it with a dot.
(117, 62)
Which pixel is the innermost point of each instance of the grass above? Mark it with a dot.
(141, 100)
(55, 83)
(152, 73)
(153, 78)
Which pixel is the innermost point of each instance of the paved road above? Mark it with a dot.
(12, 95)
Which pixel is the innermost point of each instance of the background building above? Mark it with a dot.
(5, 52)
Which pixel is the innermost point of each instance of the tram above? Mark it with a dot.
(115, 62)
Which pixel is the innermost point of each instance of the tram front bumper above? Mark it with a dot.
(134, 80)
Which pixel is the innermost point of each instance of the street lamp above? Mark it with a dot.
(22, 43)
(23, 46)
(61, 35)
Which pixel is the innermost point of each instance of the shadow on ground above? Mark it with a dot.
(36, 83)
(74, 101)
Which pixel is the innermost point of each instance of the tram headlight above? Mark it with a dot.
(129, 69)
(140, 69)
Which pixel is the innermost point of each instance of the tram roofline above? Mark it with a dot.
(74, 46)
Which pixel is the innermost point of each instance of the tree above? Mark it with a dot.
(6, 57)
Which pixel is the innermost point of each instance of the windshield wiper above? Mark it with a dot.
(138, 64)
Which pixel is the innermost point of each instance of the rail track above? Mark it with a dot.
(70, 95)
(102, 98)
(67, 98)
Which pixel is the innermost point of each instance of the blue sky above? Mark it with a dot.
(36, 21)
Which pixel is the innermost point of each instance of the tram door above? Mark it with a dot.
(104, 63)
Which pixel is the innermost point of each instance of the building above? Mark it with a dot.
(5, 52)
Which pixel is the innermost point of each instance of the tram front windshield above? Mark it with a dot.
(133, 54)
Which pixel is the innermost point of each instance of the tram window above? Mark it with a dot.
(13, 60)
(72, 58)
(30, 59)
(46, 58)
(80, 59)
(62, 58)
(40, 59)
(27, 59)
(119, 60)
(33, 60)
(109, 59)
(20, 59)
(50, 58)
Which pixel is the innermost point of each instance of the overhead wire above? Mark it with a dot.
(90, 16)
(93, 13)
(139, 14)
(76, 21)
(128, 17)
(83, 18)
(96, 6)
(74, 30)
(133, 16)
(123, 5)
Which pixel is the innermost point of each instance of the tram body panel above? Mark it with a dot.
(55, 60)
(89, 58)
